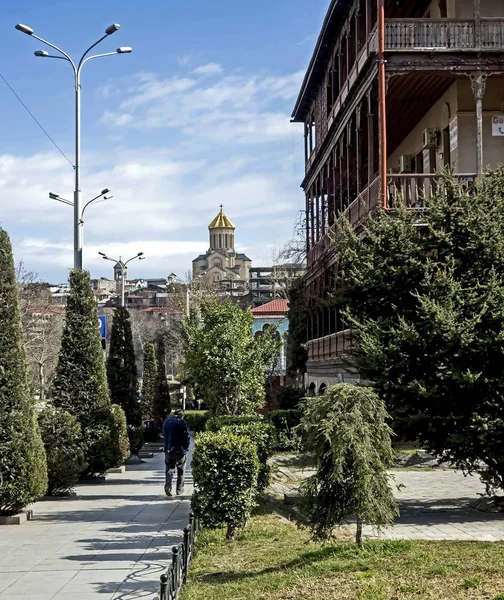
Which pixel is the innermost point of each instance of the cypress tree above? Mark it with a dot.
(80, 386)
(121, 367)
(148, 381)
(23, 468)
(162, 401)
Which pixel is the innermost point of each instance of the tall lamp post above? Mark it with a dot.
(77, 68)
(122, 265)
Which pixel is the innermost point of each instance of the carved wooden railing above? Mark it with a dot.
(444, 34)
(331, 346)
(413, 189)
(438, 34)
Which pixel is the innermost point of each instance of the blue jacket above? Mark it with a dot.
(176, 435)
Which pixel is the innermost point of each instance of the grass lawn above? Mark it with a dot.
(274, 560)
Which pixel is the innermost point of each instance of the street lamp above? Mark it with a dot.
(122, 265)
(100, 198)
(77, 203)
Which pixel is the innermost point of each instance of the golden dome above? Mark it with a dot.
(221, 222)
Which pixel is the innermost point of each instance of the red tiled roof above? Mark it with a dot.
(275, 307)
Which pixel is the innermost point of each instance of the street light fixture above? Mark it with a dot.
(122, 265)
(76, 67)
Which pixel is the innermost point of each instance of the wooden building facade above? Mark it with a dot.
(395, 90)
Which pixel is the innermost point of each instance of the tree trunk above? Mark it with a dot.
(358, 534)
(41, 381)
(232, 530)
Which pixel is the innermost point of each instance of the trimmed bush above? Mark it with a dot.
(196, 419)
(285, 422)
(80, 386)
(148, 381)
(225, 469)
(121, 367)
(62, 438)
(136, 439)
(23, 470)
(262, 435)
(120, 432)
(216, 423)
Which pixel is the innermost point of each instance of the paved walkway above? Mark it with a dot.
(112, 541)
(434, 505)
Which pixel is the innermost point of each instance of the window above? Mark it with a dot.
(216, 277)
(217, 263)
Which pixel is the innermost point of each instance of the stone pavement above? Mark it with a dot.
(112, 541)
(434, 505)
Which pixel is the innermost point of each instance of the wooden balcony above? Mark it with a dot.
(331, 346)
(452, 35)
(410, 189)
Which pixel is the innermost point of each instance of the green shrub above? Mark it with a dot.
(23, 471)
(120, 432)
(225, 469)
(285, 422)
(196, 419)
(262, 435)
(135, 438)
(216, 423)
(62, 437)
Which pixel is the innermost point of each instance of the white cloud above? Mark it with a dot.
(208, 69)
(239, 108)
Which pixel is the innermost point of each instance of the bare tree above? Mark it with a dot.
(42, 322)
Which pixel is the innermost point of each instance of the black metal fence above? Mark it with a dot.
(176, 574)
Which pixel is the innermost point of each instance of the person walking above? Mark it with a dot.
(176, 444)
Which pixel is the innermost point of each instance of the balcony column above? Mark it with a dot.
(369, 14)
(477, 24)
(307, 224)
(478, 84)
(370, 141)
(358, 149)
(312, 219)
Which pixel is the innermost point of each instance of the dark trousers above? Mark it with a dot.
(174, 460)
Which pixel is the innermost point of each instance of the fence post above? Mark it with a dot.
(175, 570)
(163, 587)
(186, 551)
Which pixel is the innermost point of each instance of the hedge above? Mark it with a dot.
(62, 437)
(216, 423)
(262, 435)
(197, 419)
(225, 469)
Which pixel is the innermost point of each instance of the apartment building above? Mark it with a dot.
(395, 90)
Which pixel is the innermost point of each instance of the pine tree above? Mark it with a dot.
(162, 400)
(346, 430)
(121, 367)
(429, 304)
(23, 468)
(148, 381)
(80, 386)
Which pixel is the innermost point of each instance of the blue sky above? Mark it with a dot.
(197, 115)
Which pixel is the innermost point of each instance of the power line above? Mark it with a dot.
(34, 118)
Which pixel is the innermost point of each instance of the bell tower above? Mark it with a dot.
(221, 232)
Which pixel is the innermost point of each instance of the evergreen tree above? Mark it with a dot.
(347, 432)
(23, 468)
(162, 401)
(121, 367)
(80, 386)
(297, 354)
(429, 303)
(225, 361)
(148, 381)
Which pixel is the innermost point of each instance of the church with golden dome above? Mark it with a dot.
(222, 264)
